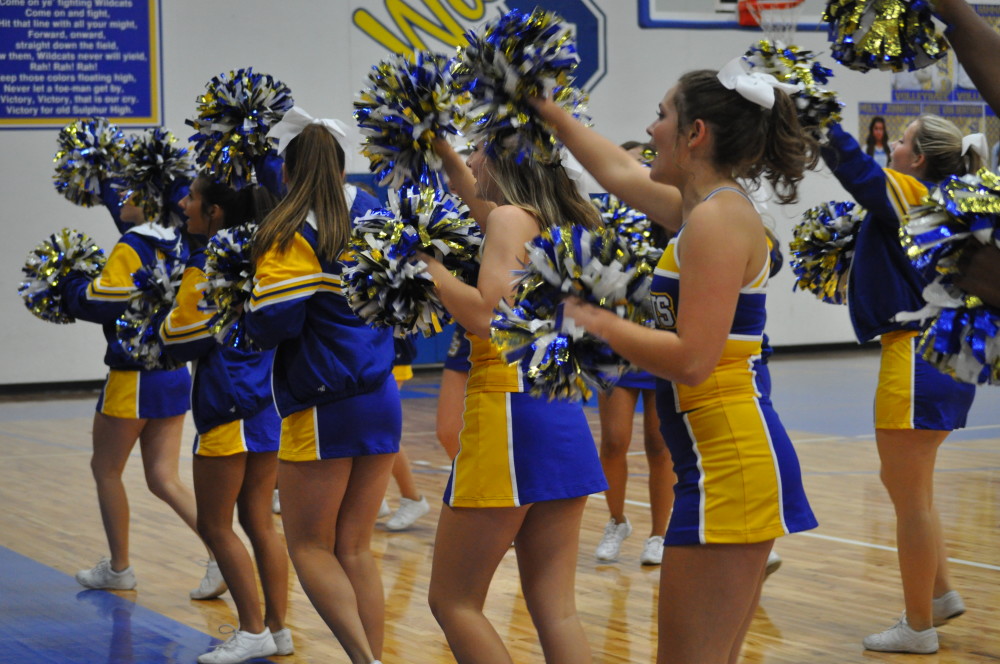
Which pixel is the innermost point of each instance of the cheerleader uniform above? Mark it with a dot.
(130, 391)
(332, 374)
(911, 393)
(516, 449)
(738, 478)
(231, 400)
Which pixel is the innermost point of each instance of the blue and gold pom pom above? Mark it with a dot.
(892, 35)
(818, 108)
(506, 63)
(61, 253)
(959, 334)
(822, 248)
(152, 164)
(229, 269)
(90, 150)
(406, 106)
(561, 360)
(234, 116)
(632, 226)
(387, 286)
(138, 329)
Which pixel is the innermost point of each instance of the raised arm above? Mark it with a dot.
(614, 168)
(973, 40)
(503, 251)
(462, 183)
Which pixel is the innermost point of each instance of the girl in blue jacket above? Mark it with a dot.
(236, 447)
(333, 387)
(916, 406)
(136, 404)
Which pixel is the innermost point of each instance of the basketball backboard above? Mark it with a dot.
(711, 14)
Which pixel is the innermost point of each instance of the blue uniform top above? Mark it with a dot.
(105, 298)
(324, 351)
(229, 383)
(882, 281)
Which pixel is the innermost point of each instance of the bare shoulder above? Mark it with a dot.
(509, 222)
(726, 213)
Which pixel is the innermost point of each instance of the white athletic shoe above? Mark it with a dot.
(772, 565)
(283, 642)
(102, 577)
(409, 511)
(212, 584)
(240, 647)
(614, 534)
(947, 606)
(384, 510)
(903, 638)
(276, 503)
(652, 552)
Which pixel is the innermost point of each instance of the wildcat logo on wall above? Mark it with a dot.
(406, 26)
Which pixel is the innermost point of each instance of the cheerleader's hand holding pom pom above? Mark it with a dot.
(90, 152)
(407, 106)
(818, 108)
(234, 117)
(892, 35)
(388, 286)
(153, 168)
(138, 329)
(60, 255)
(560, 359)
(508, 63)
(229, 271)
(822, 248)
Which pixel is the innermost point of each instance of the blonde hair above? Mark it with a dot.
(940, 142)
(544, 190)
(314, 165)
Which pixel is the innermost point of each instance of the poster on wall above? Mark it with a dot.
(65, 59)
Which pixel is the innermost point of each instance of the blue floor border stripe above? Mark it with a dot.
(49, 619)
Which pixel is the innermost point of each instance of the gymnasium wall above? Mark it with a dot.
(322, 51)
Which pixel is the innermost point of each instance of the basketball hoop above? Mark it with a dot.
(778, 19)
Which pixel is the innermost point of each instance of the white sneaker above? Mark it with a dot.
(283, 642)
(384, 510)
(611, 544)
(947, 606)
(772, 565)
(275, 503)
(652, 552)
(409, 511)
(102, 577)
(212, 584)
(903, 638)
(240, 647)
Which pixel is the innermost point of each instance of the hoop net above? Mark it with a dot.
(778, 19)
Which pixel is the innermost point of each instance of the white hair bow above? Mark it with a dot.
(757, 87)
(296, 119)
(977, 143)
(583, 181)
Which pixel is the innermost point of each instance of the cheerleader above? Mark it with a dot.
(525, 465)
(617, 410)
(916, 406)
(332, 382)
(738, 480)
(135, 404)
(235, 449)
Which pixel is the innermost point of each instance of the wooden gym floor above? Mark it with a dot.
(837, 584)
